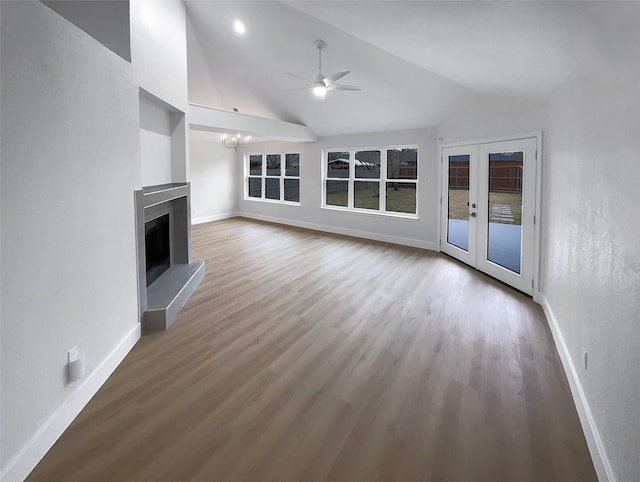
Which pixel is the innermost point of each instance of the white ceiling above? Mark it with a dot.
(416, 61)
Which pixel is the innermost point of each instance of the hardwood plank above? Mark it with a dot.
(310, 356)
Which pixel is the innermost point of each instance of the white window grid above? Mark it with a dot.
(263, 176)
(383, 180)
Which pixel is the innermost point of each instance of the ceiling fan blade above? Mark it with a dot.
(299, 88)
(332, 78)
(343, 87)
(298, 77)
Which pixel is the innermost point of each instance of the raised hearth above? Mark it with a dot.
(162, 300)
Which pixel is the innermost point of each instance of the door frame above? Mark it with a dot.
(537, 201)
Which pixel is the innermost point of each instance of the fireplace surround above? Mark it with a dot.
(162, 296)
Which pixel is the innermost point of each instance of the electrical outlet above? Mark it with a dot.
(73, 354)
(75, 364)
(584, 358)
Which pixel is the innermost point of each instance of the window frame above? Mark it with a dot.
(263, 176)
(382, 181)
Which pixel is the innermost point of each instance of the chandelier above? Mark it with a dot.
(236, 141)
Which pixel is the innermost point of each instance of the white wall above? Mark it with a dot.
(488, 116)
(70, 165)
(591, 232)
(590, 256)
(159, 60)
(202, 88)
(213, 178)
(1, 268)
(159, 49)
(421, 232)
(216, 120)
(155, 143)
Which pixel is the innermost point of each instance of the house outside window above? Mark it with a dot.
(382, 180)
(273, 177)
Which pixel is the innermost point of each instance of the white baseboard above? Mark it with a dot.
(415, 243)
(215, 217)
(36, 448)
(594, 442)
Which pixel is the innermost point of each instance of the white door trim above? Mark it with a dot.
(538, 135)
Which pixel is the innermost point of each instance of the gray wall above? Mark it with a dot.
(421, 232)
(591, 231)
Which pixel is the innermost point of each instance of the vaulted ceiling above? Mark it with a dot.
(416, 61)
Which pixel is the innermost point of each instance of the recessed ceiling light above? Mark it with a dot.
(238, 26)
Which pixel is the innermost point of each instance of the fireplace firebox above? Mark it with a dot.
(157, 246)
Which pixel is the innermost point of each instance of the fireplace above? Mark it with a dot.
(166, 275)
(157, 247)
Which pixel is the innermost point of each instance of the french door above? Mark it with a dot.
(488, 208)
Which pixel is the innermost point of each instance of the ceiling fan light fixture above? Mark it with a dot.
(323, 83)
(320, 91)
(238, 26)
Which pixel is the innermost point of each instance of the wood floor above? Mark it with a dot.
(308, 356)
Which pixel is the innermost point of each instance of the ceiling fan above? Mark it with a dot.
(323, 84)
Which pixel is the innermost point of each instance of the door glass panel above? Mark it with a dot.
(504, 238)
(458, 215)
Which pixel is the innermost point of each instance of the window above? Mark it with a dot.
(274, 177)
(381, 180)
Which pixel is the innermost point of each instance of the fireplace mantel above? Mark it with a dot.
(161, 301)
